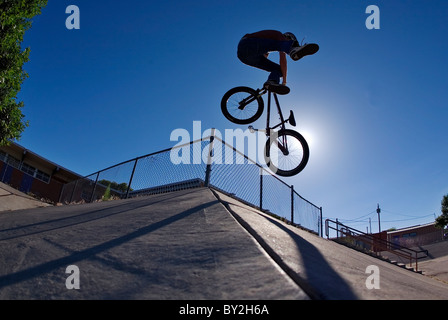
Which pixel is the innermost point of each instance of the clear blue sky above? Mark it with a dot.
(372, 103)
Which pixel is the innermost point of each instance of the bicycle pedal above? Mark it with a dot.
(252, 129)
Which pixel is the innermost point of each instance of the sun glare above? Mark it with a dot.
(310, 137)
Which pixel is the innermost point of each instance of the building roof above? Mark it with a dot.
(56, 171)
(412, 228)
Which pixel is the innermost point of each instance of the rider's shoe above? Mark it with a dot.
(299, 52)
(276, 87)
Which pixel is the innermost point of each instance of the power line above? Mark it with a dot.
(416, 218)
(401, 214)
(360, 220)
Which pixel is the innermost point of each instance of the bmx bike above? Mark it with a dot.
(286, 151)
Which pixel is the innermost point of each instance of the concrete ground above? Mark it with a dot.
(12, 199)
(436, 264)
(182, 245)
(329, 270)
(192, 244)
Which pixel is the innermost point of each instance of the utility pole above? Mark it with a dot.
(378, 210)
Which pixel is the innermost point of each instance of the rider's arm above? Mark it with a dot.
(283, 66)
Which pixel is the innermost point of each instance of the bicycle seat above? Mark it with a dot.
(277, 88)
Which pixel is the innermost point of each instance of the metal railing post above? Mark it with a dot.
(261, 189)
(337, 228)
(209, 159)
(321, 223)
(94, 187)
(292, 204)
(130, 180)
(416, 262)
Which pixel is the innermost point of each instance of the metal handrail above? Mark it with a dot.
(374, 241)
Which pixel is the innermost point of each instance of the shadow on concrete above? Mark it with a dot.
(321, 281)
(76, 219)
(318, 272)
(29, 273)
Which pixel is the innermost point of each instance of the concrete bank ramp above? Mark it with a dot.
(181, 245)
(191, 244)
(327, 270)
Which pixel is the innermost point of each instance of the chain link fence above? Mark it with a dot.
(209, 162)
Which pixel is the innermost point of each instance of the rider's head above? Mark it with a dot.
(290, 36)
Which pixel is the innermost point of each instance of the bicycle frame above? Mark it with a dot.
(279, 110)
(261, 92)
(283, 145)
(286, 151)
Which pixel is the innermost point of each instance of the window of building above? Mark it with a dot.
(28, 169)
(24, 167)
(13, 162)
(42, 176)
(409, 235)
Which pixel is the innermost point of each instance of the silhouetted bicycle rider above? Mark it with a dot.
(254, 49)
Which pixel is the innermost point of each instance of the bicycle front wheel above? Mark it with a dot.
(242, 105)
(286, 152)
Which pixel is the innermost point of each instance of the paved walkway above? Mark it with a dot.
(191, 244)
(12, 199)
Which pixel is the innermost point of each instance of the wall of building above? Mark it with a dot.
(32, 174)
(28, 184)
(416, 236)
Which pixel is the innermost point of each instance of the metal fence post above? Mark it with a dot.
(94, 187)
(337, 228)
(292, 204)
(209, 159)
(321, 223)
(130, 180)
(261, 189)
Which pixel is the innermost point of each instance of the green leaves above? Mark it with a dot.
(15, 18)
(442, 220)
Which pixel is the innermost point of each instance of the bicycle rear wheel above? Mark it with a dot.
(242, 105)
(286, 152)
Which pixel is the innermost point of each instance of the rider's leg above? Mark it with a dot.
(256, 46)
(251, 51)
(275, 72)
(268, 45)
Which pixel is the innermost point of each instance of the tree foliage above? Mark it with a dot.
(123, 187)
(15, 18)
(442, 220)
